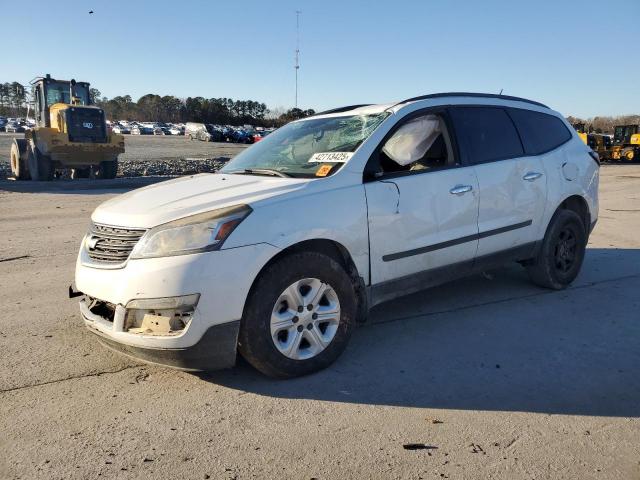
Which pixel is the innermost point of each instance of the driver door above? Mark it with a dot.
(423, 218)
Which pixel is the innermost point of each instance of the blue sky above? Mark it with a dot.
(577, 57)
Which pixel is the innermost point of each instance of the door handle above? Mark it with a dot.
(531, 176)
(460, 189)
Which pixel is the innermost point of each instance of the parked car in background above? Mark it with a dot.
(176, 130)
(3, 123)
(240, 135)
(142, 130)
(200, 131)
(121, 129)
(260, 134)
(14, 127)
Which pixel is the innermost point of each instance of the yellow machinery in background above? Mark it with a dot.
(626, 143)
(581, 129)
(70, 133)
(601, 144)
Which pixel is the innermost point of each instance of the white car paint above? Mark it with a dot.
(421, 211)
(511, 192)
(370, 220)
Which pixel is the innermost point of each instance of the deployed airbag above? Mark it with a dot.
(410, 143)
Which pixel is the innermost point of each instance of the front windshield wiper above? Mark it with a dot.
(261, 171)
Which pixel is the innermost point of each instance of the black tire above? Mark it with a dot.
(40, 166)
(108, 169)
(561, 253)
(255, 342)
(19, 163)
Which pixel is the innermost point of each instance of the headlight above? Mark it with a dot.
(203, 232)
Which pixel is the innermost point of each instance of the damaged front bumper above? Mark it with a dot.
(215, 350)
(182, 311)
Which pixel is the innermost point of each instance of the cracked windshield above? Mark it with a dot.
(309, 148)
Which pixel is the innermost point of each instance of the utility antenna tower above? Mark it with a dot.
(297, 65)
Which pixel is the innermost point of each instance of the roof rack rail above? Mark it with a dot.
(470, 94)
(341, 109)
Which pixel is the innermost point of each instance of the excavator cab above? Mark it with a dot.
(48, 91)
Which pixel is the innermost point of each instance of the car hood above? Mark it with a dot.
(166, 201)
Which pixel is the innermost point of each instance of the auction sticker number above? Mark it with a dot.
(333, 157)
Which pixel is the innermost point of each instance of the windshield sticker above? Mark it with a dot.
(324, 170)
(334, 157)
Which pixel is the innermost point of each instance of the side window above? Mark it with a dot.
(418, 145)
(539, 132)
(486, 133)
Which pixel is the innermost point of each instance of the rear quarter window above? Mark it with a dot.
(540, 132)
(486, 134)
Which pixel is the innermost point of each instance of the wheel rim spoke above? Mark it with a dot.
(293, 344)
(315, 339)
(293, 295)
(280, 321)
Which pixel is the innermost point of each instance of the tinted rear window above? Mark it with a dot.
(486, 134)
(539, 132)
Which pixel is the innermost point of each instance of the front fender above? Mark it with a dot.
(339, 215)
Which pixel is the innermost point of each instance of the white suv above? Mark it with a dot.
(283, 251)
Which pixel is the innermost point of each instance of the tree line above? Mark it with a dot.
(223, 111)
(156, 108)
(604, 124)
(13, 99)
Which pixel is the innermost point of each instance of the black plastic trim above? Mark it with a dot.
(456, 241)
(215, 350)
(416, 282)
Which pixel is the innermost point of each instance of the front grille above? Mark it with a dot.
(112, 245)
(86, 124)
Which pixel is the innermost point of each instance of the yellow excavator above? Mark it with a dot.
(70, 133)
(626, 143)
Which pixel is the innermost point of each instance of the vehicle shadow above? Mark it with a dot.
(490, 342)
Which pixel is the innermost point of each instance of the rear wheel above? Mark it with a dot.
(108, 169)
(561, 253)
(299, 316)
(19, 163)
(628, 154)
(40, 166)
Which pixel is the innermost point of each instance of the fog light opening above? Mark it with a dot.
(160, 316)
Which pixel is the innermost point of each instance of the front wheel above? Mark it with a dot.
(19, 166)
(299, 316)
(561, 253)
(40, 166)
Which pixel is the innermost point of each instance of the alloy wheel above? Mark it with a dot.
(305, 319)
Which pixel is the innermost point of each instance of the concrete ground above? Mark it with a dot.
(494, 377)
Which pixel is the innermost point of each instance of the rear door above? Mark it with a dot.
(512, 184)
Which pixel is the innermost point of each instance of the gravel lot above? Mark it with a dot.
(148, 155)
(499, 379)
